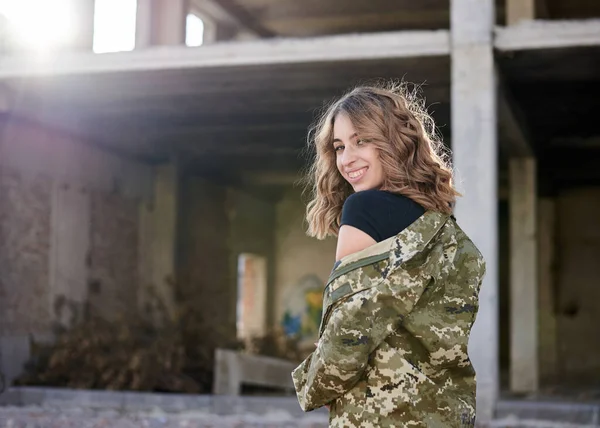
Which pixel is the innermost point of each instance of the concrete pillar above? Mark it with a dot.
(15, 351)
(161, 23)
(158, 239)
(474, 137)
(548, 350)
(83, 38)
(6, 99)
(523, 276)
(69, 250)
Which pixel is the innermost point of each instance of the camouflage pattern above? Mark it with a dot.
(392, 348)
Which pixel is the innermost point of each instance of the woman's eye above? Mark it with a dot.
(338, 148)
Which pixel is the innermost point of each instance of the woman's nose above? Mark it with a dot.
(348, 156)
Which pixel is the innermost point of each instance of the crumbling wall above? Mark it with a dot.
(578, 285)
(217, 224)
(68, 226)
(113, 255)
(24, 252)
(205, 277)
(303, 266)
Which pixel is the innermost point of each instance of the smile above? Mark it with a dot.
(355, 175)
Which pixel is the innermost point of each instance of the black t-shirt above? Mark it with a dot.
(380, 214)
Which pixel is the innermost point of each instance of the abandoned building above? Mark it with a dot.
(175, 168)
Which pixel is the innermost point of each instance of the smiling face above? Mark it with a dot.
(356, 160)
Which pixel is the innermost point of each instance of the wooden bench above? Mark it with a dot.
(232, 369)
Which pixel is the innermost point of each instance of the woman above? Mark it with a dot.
(402, 297)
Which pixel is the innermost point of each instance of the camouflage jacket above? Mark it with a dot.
(392, 348)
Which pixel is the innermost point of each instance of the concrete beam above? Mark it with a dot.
(474, 126)
(161, 23)
(524, 370)
(228, 12)
(354, 47)
(233, 368)
(547, 35)
(513, 133)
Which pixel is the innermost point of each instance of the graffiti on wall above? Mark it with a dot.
(302, 308)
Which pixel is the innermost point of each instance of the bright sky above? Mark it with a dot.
(39, 24)
(46, 24)
(194, 31)
(114, 25)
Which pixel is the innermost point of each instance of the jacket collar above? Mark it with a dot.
(399, 248)
(412, 240)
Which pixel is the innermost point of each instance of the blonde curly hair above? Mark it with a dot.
(414, 160)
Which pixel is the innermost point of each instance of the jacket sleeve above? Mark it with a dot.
(357, 325)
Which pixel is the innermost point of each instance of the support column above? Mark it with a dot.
(161, 23)
(474, 141)
(83, 38)
(523, 276)
(158, 240)
(548, 350)
(70, 218)
(6, 99)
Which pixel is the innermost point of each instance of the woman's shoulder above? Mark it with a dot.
(372, 198)
(380, 214)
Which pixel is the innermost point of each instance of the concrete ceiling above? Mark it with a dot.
(253, 117)
(556, 92)
(308, 18)
(292, 18)
(237, 121)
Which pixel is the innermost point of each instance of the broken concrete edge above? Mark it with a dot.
(539, 34)
(132, 402)
(558, 412)
(349, 47)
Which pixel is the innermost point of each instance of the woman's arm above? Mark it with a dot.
(358, 325)
(351, 240)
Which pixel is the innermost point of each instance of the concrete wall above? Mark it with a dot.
(113, 255)
(252, 232)
(217, 225)
(205, 276)
(303, 266)
(24, 253)
(68, 233)
(578, 285)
